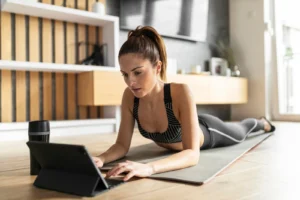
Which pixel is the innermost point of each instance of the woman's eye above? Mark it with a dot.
(125, 75)
(137, 73)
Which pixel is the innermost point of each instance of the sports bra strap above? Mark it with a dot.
(167, 93)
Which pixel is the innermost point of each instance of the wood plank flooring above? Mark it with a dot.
(269, 171)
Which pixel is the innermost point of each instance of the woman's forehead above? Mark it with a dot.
(132, 57)
(132, 61)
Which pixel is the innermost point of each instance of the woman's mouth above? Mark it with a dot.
(136, 89)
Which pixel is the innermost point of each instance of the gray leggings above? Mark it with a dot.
(219, 134)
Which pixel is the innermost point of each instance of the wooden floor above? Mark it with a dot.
(269, 171)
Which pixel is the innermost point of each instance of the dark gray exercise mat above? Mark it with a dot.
(212, 161)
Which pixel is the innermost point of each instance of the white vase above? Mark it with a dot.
(228, 72)
(99, 8)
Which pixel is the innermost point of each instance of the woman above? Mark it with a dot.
(165, 113)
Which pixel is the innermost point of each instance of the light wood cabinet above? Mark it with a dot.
(106, 88)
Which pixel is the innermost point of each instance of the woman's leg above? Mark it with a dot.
(225, 134)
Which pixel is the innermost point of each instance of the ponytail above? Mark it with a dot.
(147, 42)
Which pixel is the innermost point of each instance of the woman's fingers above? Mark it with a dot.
(129, 175)
(121, 170)
(99, 164)
(114, 169)
(95, 159)
(98, 161)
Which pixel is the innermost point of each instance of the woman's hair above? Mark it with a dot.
(149, 44)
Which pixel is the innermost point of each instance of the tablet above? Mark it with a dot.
(69, 168)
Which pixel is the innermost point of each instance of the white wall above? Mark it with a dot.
(251, 47)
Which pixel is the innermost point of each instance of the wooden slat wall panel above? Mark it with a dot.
(92, 40)
(82, 55)
(47, 76)
(59, 96)
(6, 81)
(6, 97)
(58, 92)
(34, 76)
(100, 39)
(71, 59)
(48, 1)
(81, 4)
(59, 58)
(20, 75)
(90, 4)
(47, 96)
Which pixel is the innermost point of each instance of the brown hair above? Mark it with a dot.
(147, 42)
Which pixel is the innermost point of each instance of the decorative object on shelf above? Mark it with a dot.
(172, 66)
(226, 53)
(98, 57)
(181, 71)
(99, 8)
(218, 66)
(224, 50)
(228, 72)
(197, 69)
(236, 72)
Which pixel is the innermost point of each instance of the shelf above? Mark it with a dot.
(11, 131)
(109, 24)
(51, 67)
(55, 12)
(7, 126)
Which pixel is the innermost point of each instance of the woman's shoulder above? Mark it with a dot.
(128, 99)
(180, 94)
(179, 89)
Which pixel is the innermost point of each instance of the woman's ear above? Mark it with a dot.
(158, 66)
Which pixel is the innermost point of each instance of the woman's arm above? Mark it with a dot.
(188, 118)
(122, 144)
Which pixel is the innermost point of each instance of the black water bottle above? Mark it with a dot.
(37, 131)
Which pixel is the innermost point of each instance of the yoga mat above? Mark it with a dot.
(211, 162)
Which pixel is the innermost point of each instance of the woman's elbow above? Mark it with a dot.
(194, 158)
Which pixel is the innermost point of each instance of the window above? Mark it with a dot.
(287, 23)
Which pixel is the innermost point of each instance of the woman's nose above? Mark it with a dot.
(131, 81)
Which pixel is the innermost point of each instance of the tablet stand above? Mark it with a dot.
(69, 182)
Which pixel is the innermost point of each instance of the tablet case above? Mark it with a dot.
(68, 168)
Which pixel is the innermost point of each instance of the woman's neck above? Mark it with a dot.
(155, 94)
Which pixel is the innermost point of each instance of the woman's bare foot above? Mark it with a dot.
(267, 126)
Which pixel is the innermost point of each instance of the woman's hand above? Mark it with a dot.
(98, 161)
(133, 169)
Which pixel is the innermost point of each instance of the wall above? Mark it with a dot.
(251, 45)
(190, 53)
(27, 95)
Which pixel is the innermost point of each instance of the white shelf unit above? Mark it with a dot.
(110, 35)
(51, 67)
(19, 130)
(109, 24)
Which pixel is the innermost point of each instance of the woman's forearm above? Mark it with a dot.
(115, 152)
(183, 159)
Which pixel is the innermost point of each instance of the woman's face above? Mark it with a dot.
(139, 74)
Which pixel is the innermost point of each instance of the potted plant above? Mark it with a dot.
(226, 52)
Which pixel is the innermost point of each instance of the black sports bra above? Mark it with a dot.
(173, 132)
